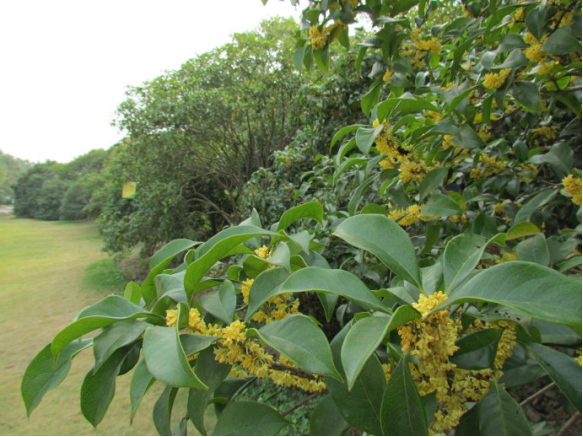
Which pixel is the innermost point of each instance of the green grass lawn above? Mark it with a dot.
(48, 272)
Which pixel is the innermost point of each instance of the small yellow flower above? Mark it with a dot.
(573, 188)
(496, 80)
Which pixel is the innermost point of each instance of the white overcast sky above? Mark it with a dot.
(66, 64)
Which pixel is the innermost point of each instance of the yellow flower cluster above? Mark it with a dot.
(448, 142)
(263, 252)
(388, 74)
(318, 39)
(431, 340)
(484, 133)
(499, 207)
(459, 218)
(547, 132)
(409, 215)
(246, 355)
(246, 289)
(528, 172)
(573, 188)
(420, 48)
(276, 308)
(496, 80)
(491, 167)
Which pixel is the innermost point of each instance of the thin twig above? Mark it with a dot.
(300, 403)
(537, 394)
(574, 418)
(297, 372)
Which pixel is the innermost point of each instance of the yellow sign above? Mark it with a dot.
(129, 190)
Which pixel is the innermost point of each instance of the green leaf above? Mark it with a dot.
(562, 42)
(44, 373)
(365, 138)
(166, 358)
(360, 406)
(386, 240)
(433, 180)
(215, 249)
(562, 369)
(461, 256)
(527, 94)
(365, 337)
(106, 312)
(212, 373)
(511, 41)
(371, 98)
(534, 249)
(222, 302)
(265, 286)
(343, 132)
(535, 21)
(326, 419)
(500, 414)
(141, 382)
(193, 343)
(541, 199)
(477, 350)
(249, 418)
(299, 339)
(133, 293)
(158, 263)
(530, 288)
(98, 388)
(441, 205)
(402, 412)
(162, 412)
(114, 337)
(520, 230)
(310, 210)
(333, 281)
(468, 138)
(515, 59)
(167, 253)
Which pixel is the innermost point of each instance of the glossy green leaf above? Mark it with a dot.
(215, 249)
(360, 406)
(462, 254)
(366, 336)
(222, 302)
(212, 374)
(541, 199)
(343, 132)
(477, 350)
(441, 205)
(520, 230)
(333, 281)
(162, 413)
(249, 418)
(386, 240)
(310, 210)
(44, 373)
(326, 419)
(141, 382)
(500, 414)
(534, 249)
(98, 388)
(166, 359)
(299, 339)
(402, 412)
(527, 94)
(114, 337)
(515, 59)
(371, 98)
(133, 293)
(562, 42)
(158, 263)
(562, 369)
(433, 180)
(365, 138)
(265, 286)
(527, 287)
(106, 312)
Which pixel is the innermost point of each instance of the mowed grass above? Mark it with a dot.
(48, 272)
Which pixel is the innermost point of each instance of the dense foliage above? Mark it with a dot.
(10, 170)
(437, 250)
(53, 191)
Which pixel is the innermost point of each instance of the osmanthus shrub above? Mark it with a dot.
(430, 354)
